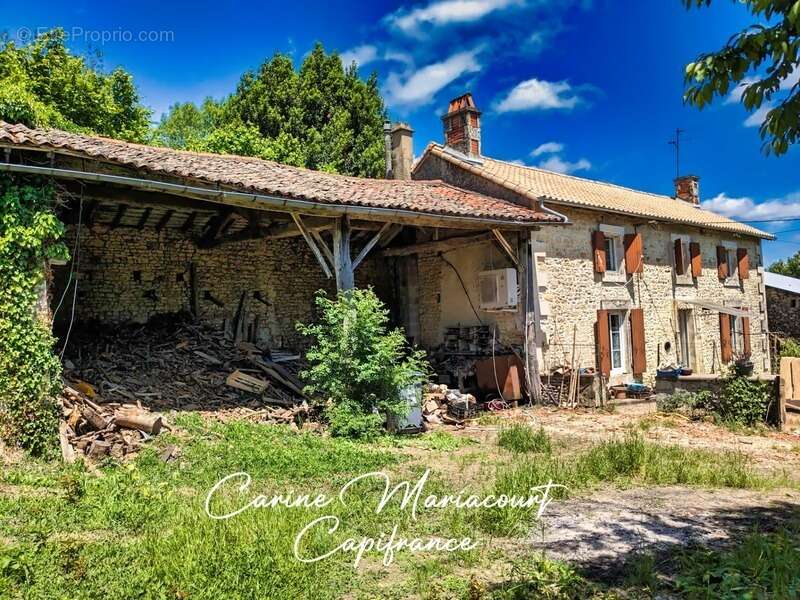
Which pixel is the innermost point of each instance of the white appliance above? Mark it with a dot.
(498, 289)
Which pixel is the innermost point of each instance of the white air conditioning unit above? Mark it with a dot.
(498, 289)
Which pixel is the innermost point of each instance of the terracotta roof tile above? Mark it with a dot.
(274, 179)
(557, 188)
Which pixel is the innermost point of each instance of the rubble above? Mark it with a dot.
(441, 404)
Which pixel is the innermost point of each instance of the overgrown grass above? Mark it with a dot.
(622, 462)
(521, 439)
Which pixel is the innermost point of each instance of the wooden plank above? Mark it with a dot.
(342, 261)
(439, 245)
(323, 244)
(121, 209)
(370, 245)
(503, 242)
(390, 235)
(787, 385)
(163, 221)
(312, 245)
(145, 216)
(795, 368)
(189, 222)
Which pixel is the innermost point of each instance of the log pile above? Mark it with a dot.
(442, 405)
(98, 430)
(174, 365)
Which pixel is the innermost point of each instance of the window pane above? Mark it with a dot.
(611, 260)
(616, 341)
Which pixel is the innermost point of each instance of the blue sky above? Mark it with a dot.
(591, 87)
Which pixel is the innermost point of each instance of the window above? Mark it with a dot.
(686, 337)
(732, 261)
(614, 250)
(737, 334)
(617, 338)
(682, 258)
(794, 303)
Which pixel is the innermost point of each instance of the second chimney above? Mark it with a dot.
(462, 126)
(401, 149)
(687, 189)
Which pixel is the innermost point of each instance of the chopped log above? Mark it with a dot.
(98, 449)
(95, 419)
(67, 452)
(134, 418)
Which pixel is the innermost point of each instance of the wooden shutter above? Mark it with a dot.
(599, 250)
(634, 254)
(725, 348)
(680, 268)
(722, 262)
(603, 343)
(744, 263)
(638, 353)
(697, 259)
(746, 336)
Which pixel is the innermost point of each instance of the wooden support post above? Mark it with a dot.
(531, 311)
(370, 245)
(312, 244)
(342, 262)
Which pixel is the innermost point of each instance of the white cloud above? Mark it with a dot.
(739, 208)
(757, 118)
(419, 87)
(445, 12)
(536, 94)
(361, 55)
(559, 165)
(548, 148)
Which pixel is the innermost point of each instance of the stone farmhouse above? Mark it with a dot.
(477, 258)
(783, 304)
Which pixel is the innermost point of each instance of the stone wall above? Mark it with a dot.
(129, 276)
(783, 317)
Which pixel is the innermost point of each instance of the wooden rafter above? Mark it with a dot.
(143, 219)
(390, 235)
(322, 244)
(163, 221)
(506, 246)
(370, 245)
(121, 210)
(312, 244)
(189, 222)
(439, 245)
(216, 226)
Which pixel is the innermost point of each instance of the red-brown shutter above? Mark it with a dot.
(603, 343)
(634, 254)
(722, 262)
(680, 268)
(638, 353)
(599, 250)
(725, 348)
(697, 259)
(746, 336)
(744, 263)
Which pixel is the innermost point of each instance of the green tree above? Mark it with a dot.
(789, 266)
(321, 116)
(773, 43)
(42, 84)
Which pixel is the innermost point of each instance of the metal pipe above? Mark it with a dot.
(306, 206)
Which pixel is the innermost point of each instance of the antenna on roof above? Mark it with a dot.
(677, 143)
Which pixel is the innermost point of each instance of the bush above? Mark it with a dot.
(744, 401)
(523, 438)
(29, 372)
(682, 401)
(358, 363)
(790, 348)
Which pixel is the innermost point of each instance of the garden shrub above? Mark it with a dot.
(358, 363)
(743, 401)
(29, 371)
(790, 348)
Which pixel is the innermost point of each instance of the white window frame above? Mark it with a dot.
(733, 263)
(686, 276)
(622, 318)
(614, 236)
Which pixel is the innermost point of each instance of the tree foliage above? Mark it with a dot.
(789, 266)
(321, 116)
(29, 372)
(764, 60)
(358, 363)
(42, 84)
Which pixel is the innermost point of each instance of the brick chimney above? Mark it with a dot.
(399, 151)
(687, 188)
(462, 126)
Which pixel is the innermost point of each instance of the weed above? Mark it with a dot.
(520, 438)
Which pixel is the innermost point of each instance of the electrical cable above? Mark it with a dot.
(463, 286)
(77, 260)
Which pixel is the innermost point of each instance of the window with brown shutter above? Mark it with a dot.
(634, 253)
(603, 343)
(725, 348)
(599, 251)
(744, 263)
(722, 262)
(746, 336)
(638, 351)
(697, 259)
(680, 267)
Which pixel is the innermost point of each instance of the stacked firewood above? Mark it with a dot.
(100, 430)
(441, 404)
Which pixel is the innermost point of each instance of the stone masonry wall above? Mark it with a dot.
(130, 276)
(783, 318)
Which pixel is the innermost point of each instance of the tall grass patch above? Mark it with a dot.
(523, 439)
